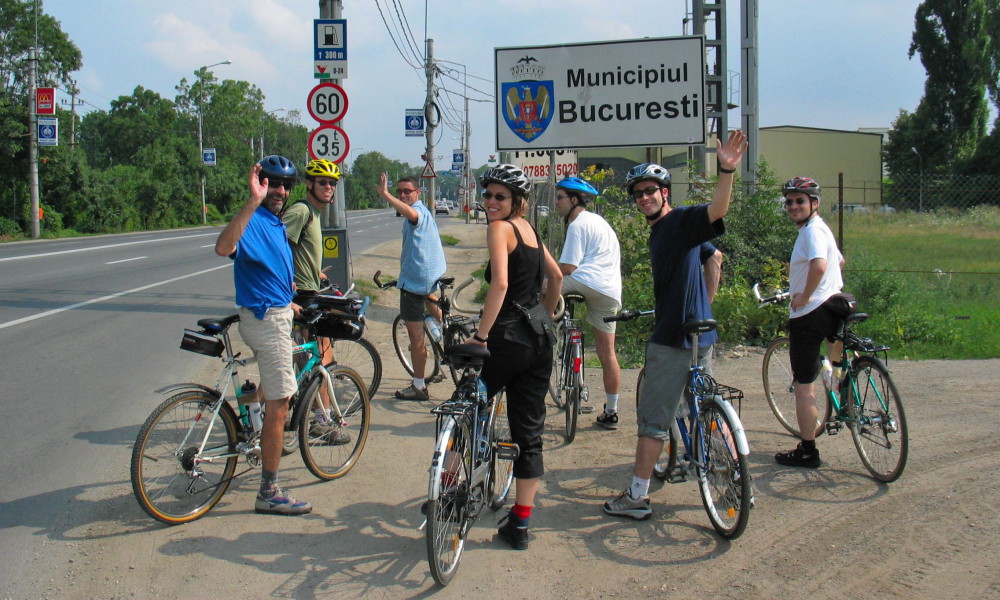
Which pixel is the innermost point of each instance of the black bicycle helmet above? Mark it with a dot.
(806, 185)
(508, 175)
(647, 171)
(275, 166)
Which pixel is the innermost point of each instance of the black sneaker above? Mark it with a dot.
(608, 420)
(516, 536)
(798, 458)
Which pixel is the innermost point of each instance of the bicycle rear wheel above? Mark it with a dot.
(723, 478)
(780, 391)
(557, 378)
(169, 478)
(501, 469)
(448, 498)
(361, 356)
(401, 342)
(330, 450)
(573, 392)
(665, 467)
(877, 421)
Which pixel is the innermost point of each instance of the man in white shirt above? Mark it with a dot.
(591, 266)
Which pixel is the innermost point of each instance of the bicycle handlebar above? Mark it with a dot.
(780, 296)
(455, 294)
(628, 315)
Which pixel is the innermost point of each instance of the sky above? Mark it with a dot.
(836, 65)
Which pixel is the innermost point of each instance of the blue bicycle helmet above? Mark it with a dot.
(279, 167)
(579, 187)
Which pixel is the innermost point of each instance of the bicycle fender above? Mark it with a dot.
(437, 461)
(189, 386)
(742, 445)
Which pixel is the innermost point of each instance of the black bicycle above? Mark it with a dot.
(567, 385)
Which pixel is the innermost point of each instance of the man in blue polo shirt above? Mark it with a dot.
(263, 274)
(677, 240)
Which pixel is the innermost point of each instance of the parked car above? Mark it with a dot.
(851, 208)
(441, 207)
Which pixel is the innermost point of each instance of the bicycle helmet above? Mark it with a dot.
(806, 185)
(647, 171)
(277, 166)
(323, 168)
(579, 187)
(508, 175)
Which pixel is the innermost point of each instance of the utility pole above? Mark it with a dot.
(716, 77)
(467, 180)
(751, 120)
(429, 121)
(337, 217)
(33, 144)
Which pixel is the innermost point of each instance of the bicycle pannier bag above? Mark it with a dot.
(201, 343)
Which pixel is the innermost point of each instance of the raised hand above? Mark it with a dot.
(731, 153)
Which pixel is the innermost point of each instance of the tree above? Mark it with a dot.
(364, 177)
(953, 41)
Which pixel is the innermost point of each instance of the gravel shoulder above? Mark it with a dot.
(828, 533)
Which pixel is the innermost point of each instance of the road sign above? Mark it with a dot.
(428, 172)
(327, 103)
(414, 122)
(45, 101)
(48, 131)
(329, 142)
(208, 157)
(458, 156)
(330, 48)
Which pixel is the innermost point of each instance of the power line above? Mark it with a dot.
(388, 29)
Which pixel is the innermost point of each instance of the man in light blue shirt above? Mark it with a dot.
(421, 264)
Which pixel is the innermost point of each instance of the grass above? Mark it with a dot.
(946, 271)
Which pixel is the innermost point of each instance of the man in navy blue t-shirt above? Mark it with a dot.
(677, 243)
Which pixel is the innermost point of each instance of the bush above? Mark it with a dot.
(9, 228)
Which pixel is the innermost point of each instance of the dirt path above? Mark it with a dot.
(828, 533)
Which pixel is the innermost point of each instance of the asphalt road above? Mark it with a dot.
(90, 327)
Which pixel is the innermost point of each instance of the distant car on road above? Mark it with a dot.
(543, 211)
(441, 207)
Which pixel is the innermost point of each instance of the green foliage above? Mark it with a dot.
(9, 228)
(362, 181)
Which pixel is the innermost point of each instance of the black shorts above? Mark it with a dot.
(805, 334)
(411, 306)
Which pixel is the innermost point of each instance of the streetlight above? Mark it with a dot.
(270, 112)
(920, 162)
(201, 147)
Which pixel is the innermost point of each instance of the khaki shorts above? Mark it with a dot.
(664, 383)
(598, 305)
(270, 339)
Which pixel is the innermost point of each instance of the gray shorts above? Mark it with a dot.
(270, 339)
(663, 386)
(598, 305)
(411, 306)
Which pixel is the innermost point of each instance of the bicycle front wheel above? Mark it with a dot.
(779, 389)
(723, 475)
(330, 449)
(361, 356)
(174, 482)
(401, 342)
(877, 421)
(448, 498)
(557, 379)
(501, 469)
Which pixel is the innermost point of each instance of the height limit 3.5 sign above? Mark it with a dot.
(329, 142)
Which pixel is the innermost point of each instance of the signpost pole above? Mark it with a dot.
(33, 148)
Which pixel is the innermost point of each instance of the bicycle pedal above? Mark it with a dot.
(676, 475)
(507, 450)
(833, 427)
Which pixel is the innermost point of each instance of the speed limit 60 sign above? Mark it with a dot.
(327, 103)
(329, 142)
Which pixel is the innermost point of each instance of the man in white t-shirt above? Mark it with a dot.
(814, 277)
(591, 266)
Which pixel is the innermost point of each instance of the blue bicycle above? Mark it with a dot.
(712, 437)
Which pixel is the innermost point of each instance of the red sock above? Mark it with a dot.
(521, 512)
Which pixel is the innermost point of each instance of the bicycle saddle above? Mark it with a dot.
(703, 326)
(218, 324)
(573, 297)
(467, 355)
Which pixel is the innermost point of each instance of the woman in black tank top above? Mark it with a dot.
(520, 270)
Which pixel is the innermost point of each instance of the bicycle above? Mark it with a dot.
(186, 452)
(357, 353)
(714, 441)
(568, 367)
(472, 465)
(865, 398)
(455, 329)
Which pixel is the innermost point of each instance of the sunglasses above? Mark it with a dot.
(401, 192)
(638, 194)
(499, 197)
(325, 182)
(791, 201)
(276, 183)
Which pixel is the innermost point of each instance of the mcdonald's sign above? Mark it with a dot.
(45, 101)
